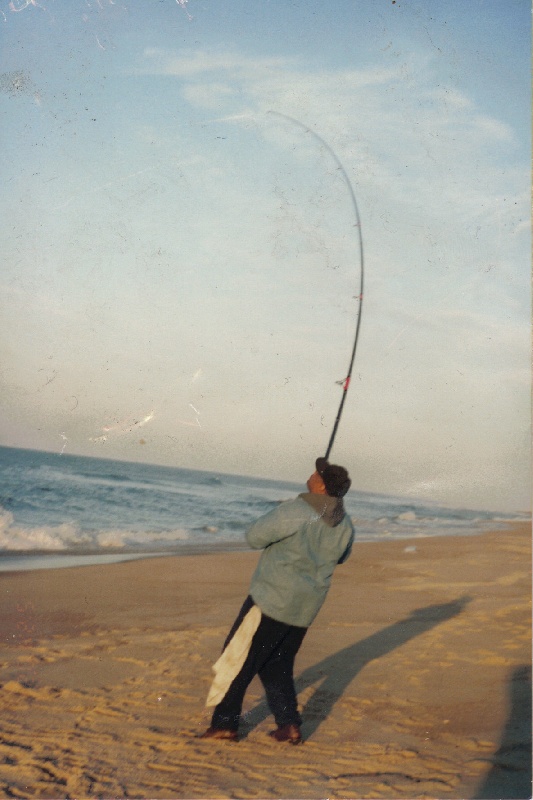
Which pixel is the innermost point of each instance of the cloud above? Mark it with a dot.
(194, 63)
(440, 214)
(452, 97)
(524, 226)
(208, 95)
(404, 136)
(494, 129)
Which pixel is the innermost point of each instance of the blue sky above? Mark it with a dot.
(181, 263)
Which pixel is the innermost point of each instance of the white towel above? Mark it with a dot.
(232, 659)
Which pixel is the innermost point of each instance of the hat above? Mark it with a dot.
(336, 479)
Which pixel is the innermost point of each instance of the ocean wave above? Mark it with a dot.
(49, 477)
(58, 477)
(68, 537)
(408, 525)
(212, 480)
(117, 539)
(47, 537)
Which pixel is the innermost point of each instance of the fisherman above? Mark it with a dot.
(302, 541)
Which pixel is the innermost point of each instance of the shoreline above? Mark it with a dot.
(413, 682)
(73, 559)
(30, 560)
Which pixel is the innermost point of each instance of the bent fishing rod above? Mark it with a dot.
(346, 382)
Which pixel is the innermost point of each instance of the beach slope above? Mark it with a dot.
(414, 681)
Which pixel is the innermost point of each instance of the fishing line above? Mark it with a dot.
(346, 382)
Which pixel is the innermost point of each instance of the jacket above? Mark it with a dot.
(303, 540)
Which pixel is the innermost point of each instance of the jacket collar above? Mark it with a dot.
(329, 509)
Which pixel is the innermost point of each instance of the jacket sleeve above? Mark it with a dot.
(276, 525)
(346, 555)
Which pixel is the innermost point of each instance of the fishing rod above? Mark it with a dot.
(346, 382)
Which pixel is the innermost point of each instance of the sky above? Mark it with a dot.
(181, 255)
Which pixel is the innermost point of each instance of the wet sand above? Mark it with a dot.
(414, 681)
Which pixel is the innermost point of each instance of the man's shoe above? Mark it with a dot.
(219, 733)
(287, 733)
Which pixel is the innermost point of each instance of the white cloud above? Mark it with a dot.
(415, 144)
(452, 97)
(418, 152)
(208, 95)
(522, 226)
(493, 129)
(194, 63)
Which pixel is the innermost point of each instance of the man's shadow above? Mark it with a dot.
(334, 674)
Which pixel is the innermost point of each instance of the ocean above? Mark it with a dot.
(61, 510)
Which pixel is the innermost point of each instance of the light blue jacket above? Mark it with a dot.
(303, 541)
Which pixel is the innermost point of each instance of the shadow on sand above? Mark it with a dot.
(510, 775)
(334, 674)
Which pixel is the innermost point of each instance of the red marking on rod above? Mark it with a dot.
(346, 384)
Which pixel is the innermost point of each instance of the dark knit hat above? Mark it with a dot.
(336, 479)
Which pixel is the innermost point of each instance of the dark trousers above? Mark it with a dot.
(271, 656)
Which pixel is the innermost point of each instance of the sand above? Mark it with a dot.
(414, 681)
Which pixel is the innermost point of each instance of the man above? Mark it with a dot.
(302, 541)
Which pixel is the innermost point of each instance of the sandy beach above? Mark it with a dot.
(414, 681)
